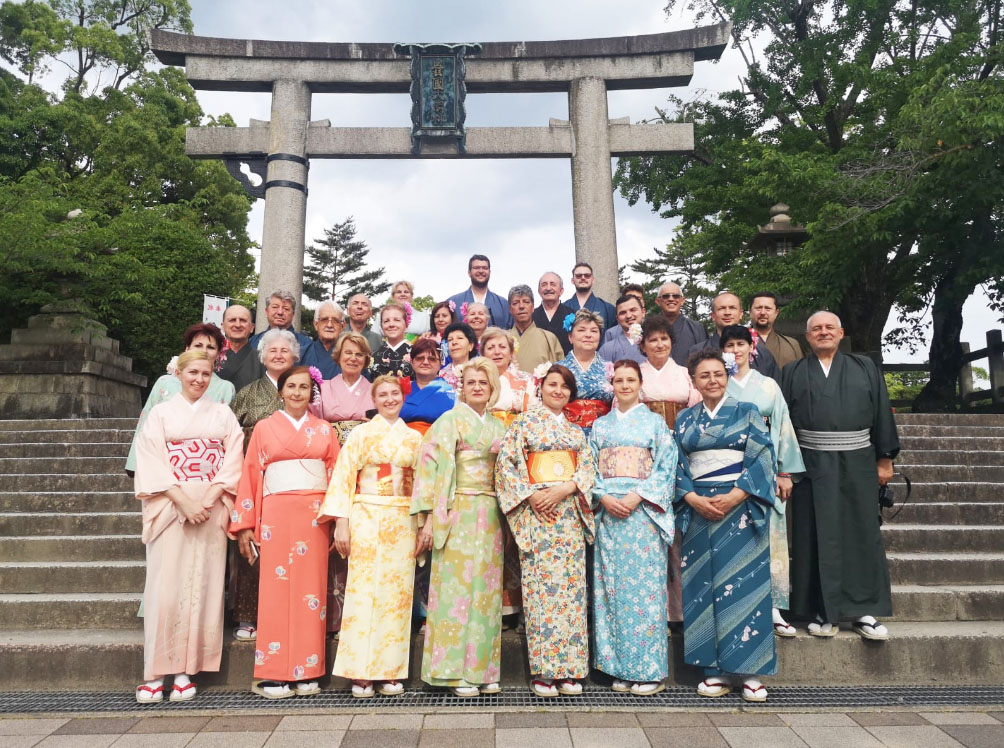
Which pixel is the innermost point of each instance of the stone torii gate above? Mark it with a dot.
(280, 150)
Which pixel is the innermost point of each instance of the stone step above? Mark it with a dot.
(948, 491)
(929, 653)
(948, 602)
(952, 443)
(69, 501)
(946, 568)
(77, 576)
(953, 472)
(949, 513)
(949, 538)
(988, 432)
(40, 466)
(118, 450)
(65, 610)
(72, 548)
(979, 419)
(62, 436)
(84, 523)
(922, 457)
(117, 481)
(68, 424)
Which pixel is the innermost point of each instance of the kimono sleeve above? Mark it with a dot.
(159, 394)
(684, 480)
(596, 436)
(153, 472)
(436, 476)
(229, 474)
(758, 478)
(585, 474)
(883, 433)
(659, 489)
(511, 475)
(789, 456)
(247, 502)
(342, 487)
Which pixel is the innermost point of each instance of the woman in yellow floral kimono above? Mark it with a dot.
(370, 498)
(455, 499)
(545, 471)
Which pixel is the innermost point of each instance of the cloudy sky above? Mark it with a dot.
(423, 218)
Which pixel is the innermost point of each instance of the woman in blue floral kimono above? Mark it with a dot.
(636, 460)
(455, 499)
(749, 385)
(724, 498)
(545, 472)
(592, 373)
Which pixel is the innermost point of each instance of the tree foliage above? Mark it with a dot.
(152, 230)
(336, 266)
(880, 123)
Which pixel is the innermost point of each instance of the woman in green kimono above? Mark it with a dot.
(455, 499)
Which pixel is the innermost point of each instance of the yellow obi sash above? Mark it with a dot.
(195, 459)
(476, 472)
(295, 475)
(554, 465)
(506, 416)
(625, 462)
(385, 484)
(668, 410)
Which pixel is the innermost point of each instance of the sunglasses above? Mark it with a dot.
(668, 296)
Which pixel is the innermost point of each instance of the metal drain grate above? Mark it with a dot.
(513, 697)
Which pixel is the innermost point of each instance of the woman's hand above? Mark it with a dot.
(189, 508)
(245, 539)
(541, 507)
(341, 540)
(703, 506)
(784, 488)
(615, 507)
(632, 501)
(726, 502)
(423, 541)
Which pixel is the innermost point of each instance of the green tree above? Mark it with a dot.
(336, 266)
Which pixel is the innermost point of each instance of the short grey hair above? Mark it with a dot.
(275, 335)
(333, 305)
(520, 291)
(284, 295)
(561, 283)
(808, 322)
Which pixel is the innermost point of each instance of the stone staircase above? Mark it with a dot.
(71, 567)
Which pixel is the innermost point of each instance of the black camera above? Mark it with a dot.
(886, 498)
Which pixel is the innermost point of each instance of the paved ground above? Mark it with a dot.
(540, 729)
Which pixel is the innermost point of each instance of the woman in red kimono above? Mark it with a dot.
(286, 471)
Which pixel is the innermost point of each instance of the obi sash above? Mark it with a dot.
(833, 441)
(583, 412)
(716, 465)
(386, 480)
(625, 462)
(668, 410)
(554, 465)
(195, 459)
(506, 416)
(295, 475)
(419, 426)
(476, 472)
(342, 430)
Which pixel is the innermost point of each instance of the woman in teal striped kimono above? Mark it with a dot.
(725, 493)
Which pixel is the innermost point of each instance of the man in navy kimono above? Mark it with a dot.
(329, 321)
(584, 298)
(840, 409)
(479, 270)
(279, 313)
(616, 345)
(688, 332)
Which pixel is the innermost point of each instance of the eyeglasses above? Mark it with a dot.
(668, 296)
(326, 320)
(427, 358)
(582, 275)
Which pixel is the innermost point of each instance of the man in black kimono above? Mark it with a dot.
(241, 365)
(727, 309)
(840, 409)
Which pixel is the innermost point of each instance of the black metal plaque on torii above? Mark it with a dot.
(438, 91)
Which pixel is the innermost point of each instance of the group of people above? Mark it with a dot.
(607, 473)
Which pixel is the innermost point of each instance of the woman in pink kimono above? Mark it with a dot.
(188, 462)
(289, 461)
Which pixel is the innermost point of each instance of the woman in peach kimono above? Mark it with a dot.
(289, 461)
(369, 498)
(188, 462)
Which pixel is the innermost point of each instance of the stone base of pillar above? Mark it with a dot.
(64, 365)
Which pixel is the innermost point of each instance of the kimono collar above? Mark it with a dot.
(826, 367)
(480, 416)
(352, 387)
(394, 348)
(390, 424)
(557, 417)
(712, 414)
(197, 403)
(741, 382)
(624, 413)
(275, 382)
(297, 422)
(670, 363)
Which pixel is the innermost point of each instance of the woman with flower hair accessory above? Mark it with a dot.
(725, 494)
(462, 344)
(592, 373)
(394, 356)
(289, 461)
(748, 385)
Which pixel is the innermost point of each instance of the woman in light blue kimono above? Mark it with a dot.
(750, 386)
(591, 371)
(725, 493)
(636, 460)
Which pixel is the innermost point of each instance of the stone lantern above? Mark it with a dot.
(780, 236)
